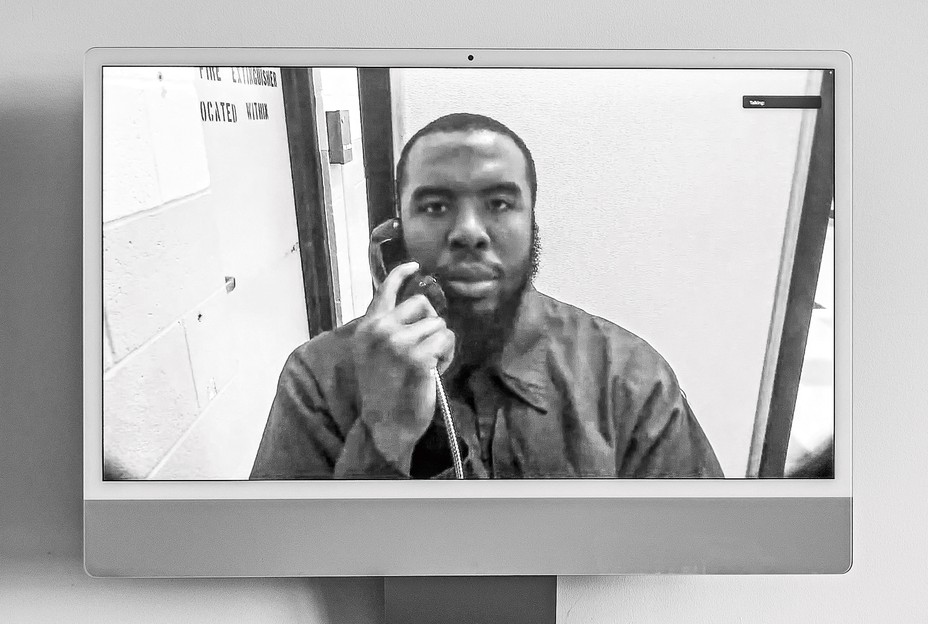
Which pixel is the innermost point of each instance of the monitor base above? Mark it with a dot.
(469, 599)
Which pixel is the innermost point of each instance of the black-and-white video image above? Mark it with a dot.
(475, 273)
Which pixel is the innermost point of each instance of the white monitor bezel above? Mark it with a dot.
(403, 492)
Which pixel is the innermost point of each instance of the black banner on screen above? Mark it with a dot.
(782, 101)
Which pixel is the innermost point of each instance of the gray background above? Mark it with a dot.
(41, 577)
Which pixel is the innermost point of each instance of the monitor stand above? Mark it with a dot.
(470, 599)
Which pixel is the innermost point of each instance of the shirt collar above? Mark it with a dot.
(522, 364)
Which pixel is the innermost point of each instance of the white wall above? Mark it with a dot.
(662, 206)
(190, 198)
(41, 577)
(346, 189)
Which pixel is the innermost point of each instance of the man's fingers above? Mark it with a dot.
(385, 298)
(414, 309)
(446, 357)
(437, 349)
(415, 333)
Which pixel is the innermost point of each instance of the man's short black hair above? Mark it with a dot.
(464, 122)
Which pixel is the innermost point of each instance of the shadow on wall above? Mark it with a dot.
(40, 304)
(41, 377)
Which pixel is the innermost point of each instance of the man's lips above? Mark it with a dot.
(470, 280)
(469, 273)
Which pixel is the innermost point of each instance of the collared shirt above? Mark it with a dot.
(570, 395)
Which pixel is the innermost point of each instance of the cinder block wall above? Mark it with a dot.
(203, 295)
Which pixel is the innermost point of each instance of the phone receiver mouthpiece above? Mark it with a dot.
(426, 285)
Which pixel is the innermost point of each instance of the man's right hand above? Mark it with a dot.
(395, 348)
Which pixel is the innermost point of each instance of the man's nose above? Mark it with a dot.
(468, 230)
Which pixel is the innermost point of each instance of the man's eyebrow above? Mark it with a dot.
(441, 191)
(503, 187)
(426, 191)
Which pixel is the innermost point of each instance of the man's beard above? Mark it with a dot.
(482, 335)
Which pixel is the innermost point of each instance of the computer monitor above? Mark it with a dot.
(642, 347)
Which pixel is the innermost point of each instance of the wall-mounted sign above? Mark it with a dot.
(256, 110)
(218, 111)
(254, 76)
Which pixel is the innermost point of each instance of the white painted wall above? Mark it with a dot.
(41, 577)
(337, 89)
(191, 368)
(662, 205)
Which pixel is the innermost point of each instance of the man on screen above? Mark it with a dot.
(537, 388)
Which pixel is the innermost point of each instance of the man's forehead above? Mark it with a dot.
(441, 150)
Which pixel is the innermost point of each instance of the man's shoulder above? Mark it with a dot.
(323, 353)
(590, 335)
(575, 321)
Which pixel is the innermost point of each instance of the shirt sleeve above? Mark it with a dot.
(364, 455)
(301, 438)
(304, 439)
(667, 440)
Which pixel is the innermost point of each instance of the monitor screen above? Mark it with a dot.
(617, 247)
(351, 278)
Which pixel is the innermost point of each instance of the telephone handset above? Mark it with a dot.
(385, 252)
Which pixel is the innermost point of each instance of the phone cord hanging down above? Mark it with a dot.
(449, 426)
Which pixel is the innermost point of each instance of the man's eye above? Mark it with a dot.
(499, 205)
(434, 208)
